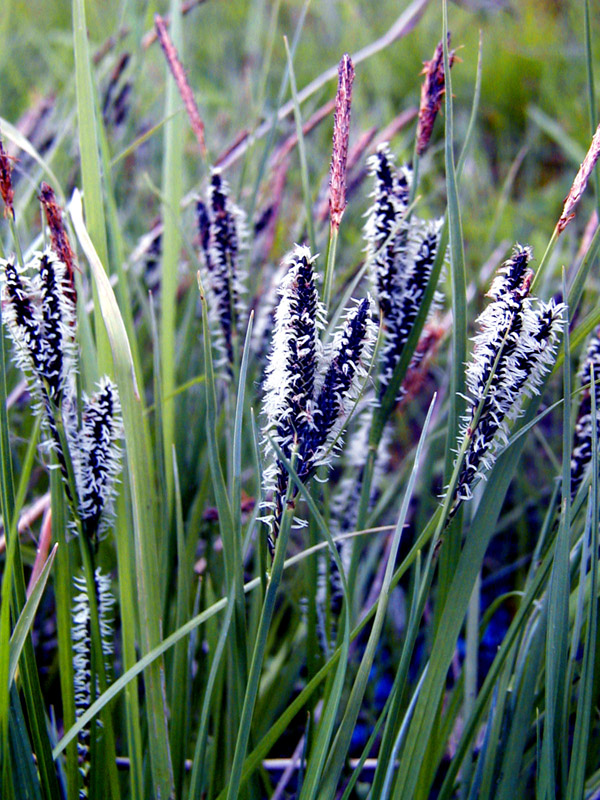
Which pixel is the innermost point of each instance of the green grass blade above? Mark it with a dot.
(34, 701)
(90, 165)
(199, 765)
(444, 642)
(581, 734)
(556, 133)
(63, 586)
(142, 504)
(389, 738)
(539, 579)
(129, 635)
(338, 754)
(172, 191)
(558, 609)
(180, 677)
(391, 763)
(15, 136)
(25, 621)
(457, 269)
(254, 759)
(258, 657)
(517, 740)
(474, 112)
(316, 762)
(26, 782)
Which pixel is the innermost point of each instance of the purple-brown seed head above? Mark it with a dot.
(341, 133)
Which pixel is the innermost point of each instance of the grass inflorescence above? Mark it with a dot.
(299, 455)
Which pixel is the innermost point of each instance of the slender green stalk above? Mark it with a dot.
(63, 584)
(308, 205)
(259, 654)
(90, 166)
(579, 750)
(337, 756)
(558, 612)
(330, 264)
(34, 701)
(172, 190)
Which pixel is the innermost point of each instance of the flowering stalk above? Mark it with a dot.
(513, 352)
(222, 229)
(571, 202)
(307, 396)
(39, 314)
(401, 251)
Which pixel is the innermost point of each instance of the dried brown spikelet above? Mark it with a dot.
(432, 92)
(580, 182)
(6, 187)
(181, 81)
(341, 133)
(59, 238)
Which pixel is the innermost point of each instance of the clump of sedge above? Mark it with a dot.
(308, 392)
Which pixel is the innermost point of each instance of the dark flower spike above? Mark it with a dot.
(432, 93)
(222, 229)
(294, 363)
(413, 277)
(347, 370)
(386, 230)
(584, 435)
(296, 354)
(82, 662)
(39, 315)
(99, 461)
(513, 351)
(22, 318)
(306, 402)
(58, 320)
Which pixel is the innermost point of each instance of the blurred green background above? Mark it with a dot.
(533, 125)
